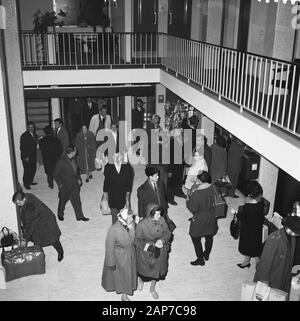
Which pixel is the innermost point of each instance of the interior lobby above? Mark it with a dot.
(234, 63)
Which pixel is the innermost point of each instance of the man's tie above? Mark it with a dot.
(157, 194)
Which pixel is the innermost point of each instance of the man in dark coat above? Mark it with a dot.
(117, 185)
(51, 149)
(28, 146)
(66, 175)
(62, 134)
(138, 112)
(89, 109)
(39, 222)
(234, 164)
(151, 191)
(276, 261)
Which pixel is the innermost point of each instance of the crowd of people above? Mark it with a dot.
(137, 247)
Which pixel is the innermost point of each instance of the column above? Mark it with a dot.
(162, 25)
(128, 111)
(55, 109)
(15, 83)
(268, 174)
(208, 127)
(7, 208)
(214, 22)
(128, 28)
(196, 20)
(231, 23)
(160, 100)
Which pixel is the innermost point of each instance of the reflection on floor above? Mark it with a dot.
(78, 276)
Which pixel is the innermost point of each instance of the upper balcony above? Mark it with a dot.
(263, 90)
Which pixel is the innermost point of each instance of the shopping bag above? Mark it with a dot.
(261, 292)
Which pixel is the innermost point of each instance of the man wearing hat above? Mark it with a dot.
(276, 262)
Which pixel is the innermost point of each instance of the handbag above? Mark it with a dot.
(23, 261)
(8, 237)
(220, 207)
(235, 227)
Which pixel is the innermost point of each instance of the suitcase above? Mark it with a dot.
(23, 261)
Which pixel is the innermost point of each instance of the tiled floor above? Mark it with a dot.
(78, 276)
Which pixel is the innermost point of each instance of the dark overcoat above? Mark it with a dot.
(64, 138)
(146, 195)
(218, 166)
(251, 216)
(201, 205)
(148, 231)
(51, 149)
(137, 120)
(28, 145)
(39, 222)
(86, 146)
(120, 252)
(64, 174)
(276, 261)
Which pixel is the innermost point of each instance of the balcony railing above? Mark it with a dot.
(268, 88)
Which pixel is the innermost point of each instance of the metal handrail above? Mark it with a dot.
(266, 87)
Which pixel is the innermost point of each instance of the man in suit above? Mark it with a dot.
(138, 112)
(88, 111)
(98, 122)
(66, 175)
(28, 147)
(39, 222)
(151, 191)
(51, 149)
(61, 133)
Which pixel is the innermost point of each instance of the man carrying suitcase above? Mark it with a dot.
(39, 222)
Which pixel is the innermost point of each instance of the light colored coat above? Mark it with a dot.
(120, 252)
(94, 125)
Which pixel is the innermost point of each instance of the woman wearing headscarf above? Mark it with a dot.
(151, 241)
(119, 270)
(86, 146)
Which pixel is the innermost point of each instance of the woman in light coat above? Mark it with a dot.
(151, 241)
(119, 270)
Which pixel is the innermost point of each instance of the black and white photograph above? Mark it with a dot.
(150, 152)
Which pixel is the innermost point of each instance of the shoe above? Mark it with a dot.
(33, 183)
(50, 186)
(198, 262)
(60, 257)
(87, 180)
(61, 218)
(181, 195)
(90, 176)
(27, 186)
(240, 265)
(172, 202)
(154, 294)
(85, 219)
(206, 256)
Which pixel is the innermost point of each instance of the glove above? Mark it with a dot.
(154, 250)
(112, 267)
